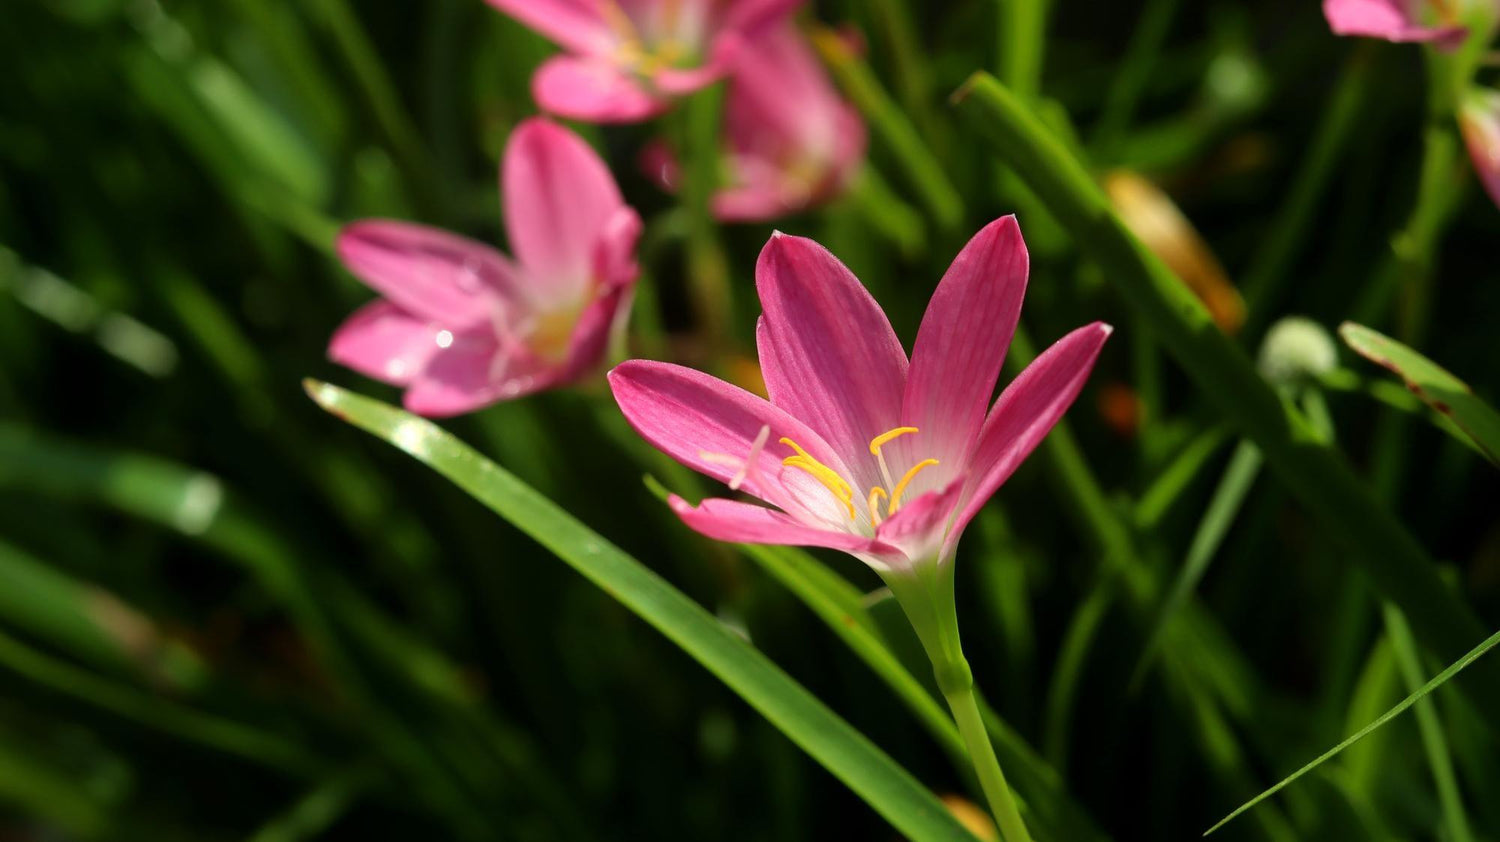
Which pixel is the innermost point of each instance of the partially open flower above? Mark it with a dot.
(627, 59)
(461, 325)
(1479, 118)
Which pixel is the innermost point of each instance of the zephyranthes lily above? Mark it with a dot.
(859, 449)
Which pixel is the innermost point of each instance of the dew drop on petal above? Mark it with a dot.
(444, 338)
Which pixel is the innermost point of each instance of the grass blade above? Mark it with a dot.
(1437, 681)
(830, 740)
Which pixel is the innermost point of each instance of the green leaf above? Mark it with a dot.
(1429, 381)
(1436, 682)
(830, 740)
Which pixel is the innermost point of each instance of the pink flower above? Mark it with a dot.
(628, 58)
(461, 325)
(790, 141)
(857, 449)
(1394, 20)
(1479, 118)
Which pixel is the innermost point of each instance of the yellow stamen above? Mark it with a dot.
(887, 437)
(822, 473)
(901, 486)
(872, 503)
(882, 440)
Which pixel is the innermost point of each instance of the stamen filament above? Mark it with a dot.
(873, 503)
(882, 440)
(906, 480)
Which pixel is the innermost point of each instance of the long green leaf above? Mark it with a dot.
(1429, 381)
(1436, 682)
(830, 740)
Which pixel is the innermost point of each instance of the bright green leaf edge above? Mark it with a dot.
(1437, 388)
(852, 758)
(1437, 681)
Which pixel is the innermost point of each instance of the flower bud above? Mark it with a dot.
(1296, 350)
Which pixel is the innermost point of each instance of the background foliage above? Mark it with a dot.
(223, 615)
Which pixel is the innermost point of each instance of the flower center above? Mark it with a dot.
(887, 496)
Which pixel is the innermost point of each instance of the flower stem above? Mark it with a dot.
(986, 766)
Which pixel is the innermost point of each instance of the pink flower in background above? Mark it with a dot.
(857, 449)
(793, 141)
(462, 326)
(790, 141)
(1479, 118)
(627, 59)
(1394, 20)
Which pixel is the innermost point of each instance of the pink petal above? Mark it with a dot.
(781, 102)
(450, 280)
(687, 414)
(590, 337)
(614, 249)
(475, 372)
(919, 526)
(1479, 119)
(680, 82)
(750, 16)
(1023, 415)
(962, 342)
(829, 356)
(747, 523)
(758, 202)
(385, 342)
(559, 200)
(575, 24)
(1392, 20)
(593, 90)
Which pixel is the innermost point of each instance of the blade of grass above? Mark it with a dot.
(885, 786)
(1312, 470)
(1437, 681)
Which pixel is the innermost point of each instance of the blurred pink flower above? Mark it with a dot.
(857, 449)
(628, 58)
(462, 326)
(1394, 20)
(790, 141)
(1479, 118)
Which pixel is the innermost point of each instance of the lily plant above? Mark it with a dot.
(628, 60)
(863, 450)
(462, 326)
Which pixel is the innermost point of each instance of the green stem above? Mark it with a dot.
(707, 268)
(986, 766)
(1023, 24)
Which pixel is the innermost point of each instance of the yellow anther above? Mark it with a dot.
(906, 480)
(822, 473)
(873, 503)
(887, 437)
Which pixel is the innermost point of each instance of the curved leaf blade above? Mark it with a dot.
(852, 758)
(1446, 394)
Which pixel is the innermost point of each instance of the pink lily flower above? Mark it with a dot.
(790, 141)
(1395, 20)
(859, 449)
(461, 325)
(1479, 118)
(627, 59)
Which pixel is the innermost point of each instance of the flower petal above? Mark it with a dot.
(1023, 415)
(385, 342)
(829, 355)
(614, 249)
(756, 200)
(749, 16)
(1391, 20)
(560, 199)
(1480, 121)
(474, 372)
(593, 90)
(575, 24)
(918, 526)
(962, 342)
(697, 419)
(747, 523)
(450, 280)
